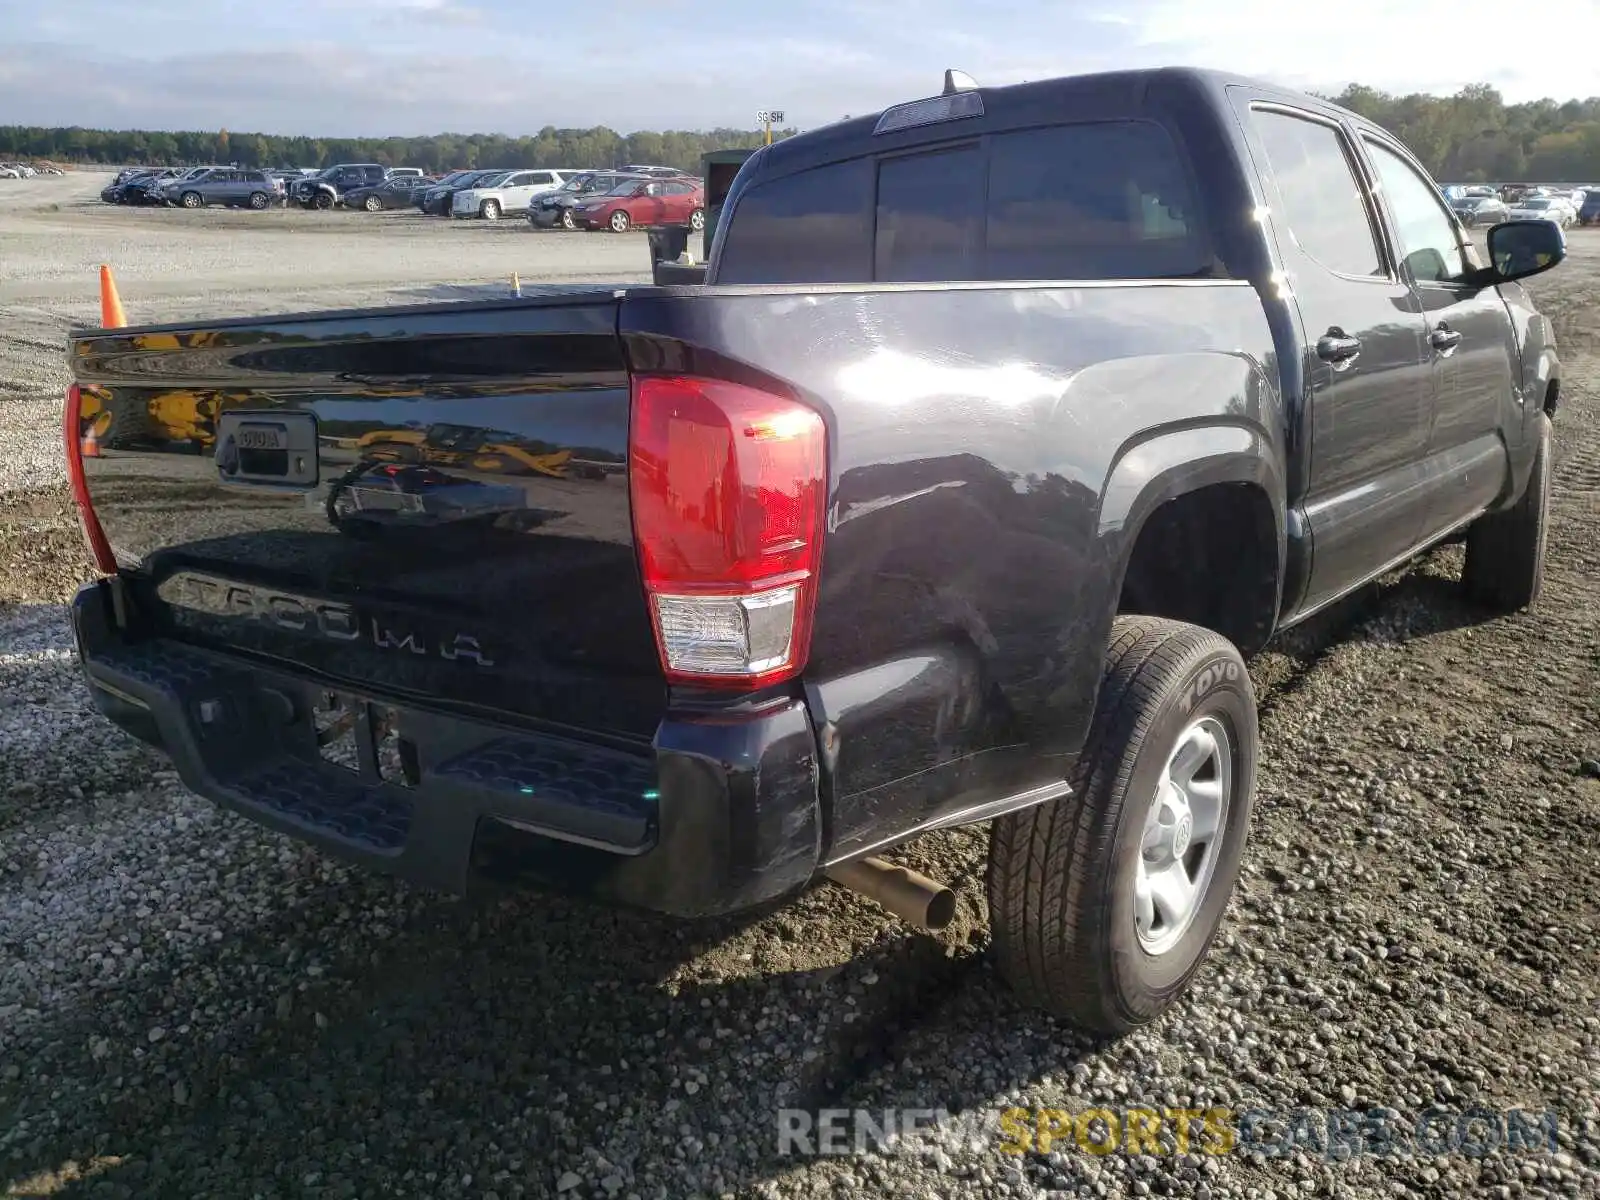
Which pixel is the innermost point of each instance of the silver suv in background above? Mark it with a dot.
(240, 187)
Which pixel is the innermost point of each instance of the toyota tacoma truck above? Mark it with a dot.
(1005, 426)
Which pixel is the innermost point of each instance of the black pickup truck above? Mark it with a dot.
(1005, 425)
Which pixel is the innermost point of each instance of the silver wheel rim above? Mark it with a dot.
(619, 222)
(697, 222)
(491, 211)
(1182, 835)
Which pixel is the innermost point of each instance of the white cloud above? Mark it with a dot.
(1395, 45)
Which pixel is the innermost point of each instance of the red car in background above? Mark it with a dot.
(644, 202)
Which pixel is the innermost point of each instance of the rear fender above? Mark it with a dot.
(1167, 464)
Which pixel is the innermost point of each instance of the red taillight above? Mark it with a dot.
(72, 433)
(728, 485)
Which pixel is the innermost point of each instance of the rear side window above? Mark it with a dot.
(1322, 201)
(929, 217)
(1100, 200)
(1095, 201)
(811, 227)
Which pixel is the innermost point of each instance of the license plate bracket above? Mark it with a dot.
(364, 738)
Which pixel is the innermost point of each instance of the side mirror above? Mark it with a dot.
(1518, 249)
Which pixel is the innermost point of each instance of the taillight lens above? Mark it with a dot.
(728, 485)
(72, 434)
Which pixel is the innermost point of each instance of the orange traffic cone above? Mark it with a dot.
(111, 314)
(89, 444)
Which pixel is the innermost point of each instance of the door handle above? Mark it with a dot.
(1337, 346)
(1444, 339)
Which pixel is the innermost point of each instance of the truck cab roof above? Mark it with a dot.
(1088, 97)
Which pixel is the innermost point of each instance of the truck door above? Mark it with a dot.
(1368, 401)
(1478, 405)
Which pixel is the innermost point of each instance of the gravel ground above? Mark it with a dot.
(192, 1006)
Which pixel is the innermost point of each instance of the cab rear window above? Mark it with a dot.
(1100, 200)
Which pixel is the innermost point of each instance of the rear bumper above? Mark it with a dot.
(720, 815)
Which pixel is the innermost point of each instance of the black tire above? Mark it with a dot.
(192, 200)
(323, 200)
(697, 220)
(568, 221)
(1504, 570)
(1062, 876)
(259, 200)
(490, 211)
(372, 204)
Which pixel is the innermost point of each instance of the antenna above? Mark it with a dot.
(958, 81)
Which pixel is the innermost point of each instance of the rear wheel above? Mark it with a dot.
(1505, 550)
(490, 210)
(372, 204)
(618, 222)
(259, 200)
(1105, 903)
(191, 200)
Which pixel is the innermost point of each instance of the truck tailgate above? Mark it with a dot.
(428, 501)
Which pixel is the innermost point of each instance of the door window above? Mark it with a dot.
(1429, 248)
(1323, 206)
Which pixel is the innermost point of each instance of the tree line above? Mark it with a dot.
(550, 147)
(1471, 137)
(1476, 137)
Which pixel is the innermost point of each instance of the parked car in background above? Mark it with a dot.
(137, 187)
(235, 187)
(407, 173)
(644, 202)
(1480, 210)
(435, 201)
(555, 208)
(1541, 208)
(1589, 213)
(398, 191)
(154, 186)
(510, 194)
(649, 169)
(326, 189)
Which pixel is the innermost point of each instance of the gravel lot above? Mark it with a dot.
(191, 1006)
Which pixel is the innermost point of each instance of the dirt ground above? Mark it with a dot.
(192, 1006)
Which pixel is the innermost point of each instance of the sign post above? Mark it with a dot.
(768, 118)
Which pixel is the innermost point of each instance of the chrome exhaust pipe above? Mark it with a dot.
(909, 895)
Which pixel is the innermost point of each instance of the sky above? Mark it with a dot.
(343, 68)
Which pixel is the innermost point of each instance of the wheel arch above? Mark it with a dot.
(1205, 503)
